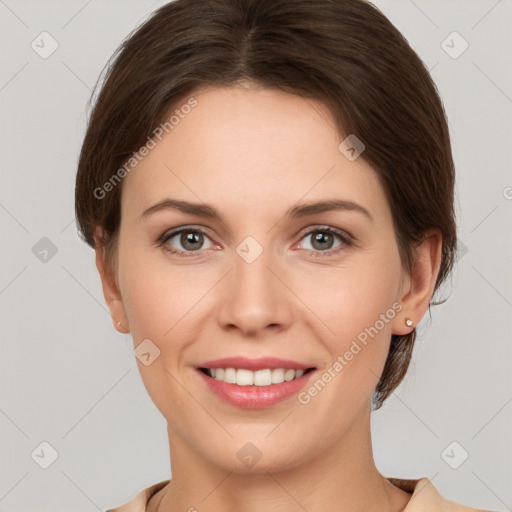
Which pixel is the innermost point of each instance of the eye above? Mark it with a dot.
(322, 240)
(190, 239)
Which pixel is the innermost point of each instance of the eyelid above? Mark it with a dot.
(347, 240)
(169, 234)
(325, 227)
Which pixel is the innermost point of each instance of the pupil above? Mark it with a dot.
(190, 238)
(321, 237)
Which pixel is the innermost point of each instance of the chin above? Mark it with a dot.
(253, 457)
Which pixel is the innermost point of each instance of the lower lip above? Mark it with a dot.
(255, 397)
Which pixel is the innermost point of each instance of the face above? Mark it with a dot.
(261, 280)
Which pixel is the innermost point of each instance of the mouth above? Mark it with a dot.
(258, 389)
(260, 378)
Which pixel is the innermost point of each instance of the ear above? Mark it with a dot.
(417, 288)
(110, 286)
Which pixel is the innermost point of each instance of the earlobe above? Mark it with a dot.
(120, 325)
(417, 294)
(110, 287)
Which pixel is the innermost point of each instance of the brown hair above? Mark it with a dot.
(345, 53)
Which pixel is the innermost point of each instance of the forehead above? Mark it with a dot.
(250, 148)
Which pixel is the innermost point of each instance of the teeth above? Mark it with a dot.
(243, 377)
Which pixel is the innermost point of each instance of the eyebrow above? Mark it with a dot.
(295, 212)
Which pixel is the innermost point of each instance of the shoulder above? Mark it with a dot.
(139, 502)
(426, 498)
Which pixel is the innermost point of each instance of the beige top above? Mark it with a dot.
(425, 498)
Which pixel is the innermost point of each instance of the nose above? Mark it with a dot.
(256, 298)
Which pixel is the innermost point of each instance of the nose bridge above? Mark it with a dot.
(252, 275)
(252, 278)
(255, 297)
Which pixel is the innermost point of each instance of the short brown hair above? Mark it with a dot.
(345, 53)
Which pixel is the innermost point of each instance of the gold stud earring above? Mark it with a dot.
(409, 322)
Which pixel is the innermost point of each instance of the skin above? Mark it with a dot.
(253, 153)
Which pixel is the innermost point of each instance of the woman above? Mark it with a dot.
(230, 140)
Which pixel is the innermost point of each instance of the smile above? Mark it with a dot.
(265, 377)
(248, 389)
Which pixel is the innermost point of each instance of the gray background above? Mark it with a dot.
(69, 379)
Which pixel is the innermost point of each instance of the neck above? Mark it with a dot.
(342, 477)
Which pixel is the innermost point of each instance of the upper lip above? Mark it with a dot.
(254, 364)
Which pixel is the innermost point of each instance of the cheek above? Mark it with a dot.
(357, 307)
(164, 304)
(352, 310)
(155, 292)
(159, 302)
(348, 299)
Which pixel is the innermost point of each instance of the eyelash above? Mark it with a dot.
(347, 241)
